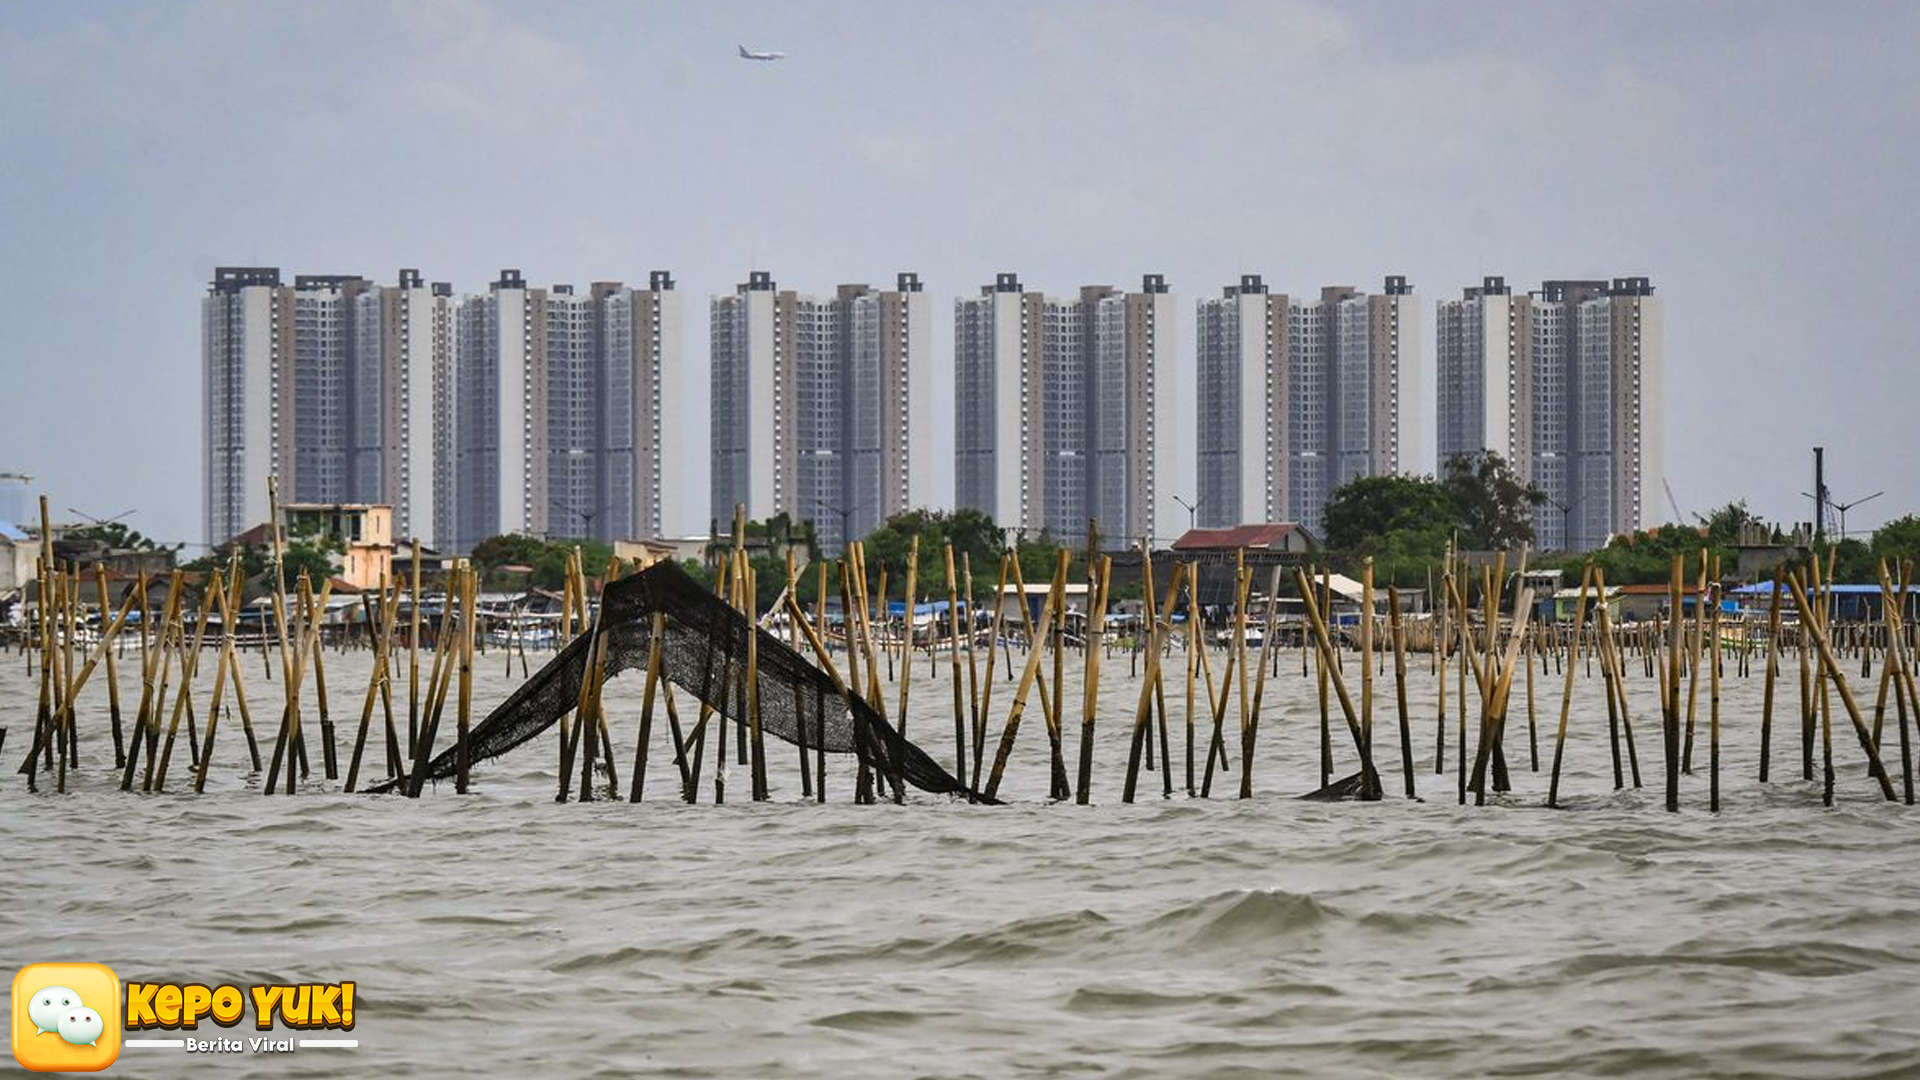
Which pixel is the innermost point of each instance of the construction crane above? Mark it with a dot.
(1671, 501)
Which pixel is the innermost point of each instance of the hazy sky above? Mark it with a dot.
(1760, 162)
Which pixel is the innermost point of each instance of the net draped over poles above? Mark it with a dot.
(704, 654)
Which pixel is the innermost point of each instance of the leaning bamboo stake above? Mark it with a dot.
(1566, 693)
(984, 704)
(189, 664)
(1400, 687)
(1028, 676)
(656, 643)
(1370, 779)
(221, 667)
(389, 606)
(973, 669)
(113, 676)
(152, 693)
(906, 648)
(429, 715)
(1820, 642)
(463, 757)
(1249, 736)
(328, 759)
(1089, 700)
(1143, 709)
(953, 668)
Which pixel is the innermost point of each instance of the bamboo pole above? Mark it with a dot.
(1400, 687)
(1370, 778)
(1028, 676)
(953, 667)
(1089, 698)
(1143, 709)
(1772, 673)
(113, 676)
(463, 752)
(389, 607)
(1249, 736)
(1713, 701)
(189, 664)
(152, 693)
(1566, 693)
(656, 643)
(906, 647)
(1833, 672)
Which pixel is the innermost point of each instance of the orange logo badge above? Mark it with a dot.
(66, 1017)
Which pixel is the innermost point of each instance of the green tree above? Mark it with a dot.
(1898, 541)
(1494, 506)
(1403, 522)
(973, 534)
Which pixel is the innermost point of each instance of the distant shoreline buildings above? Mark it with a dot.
(551, 411)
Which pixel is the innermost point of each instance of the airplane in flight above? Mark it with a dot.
(749, 54)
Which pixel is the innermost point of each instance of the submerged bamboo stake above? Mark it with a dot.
(1096, 625)
(906, 666)
(1400, 687)
(1833, 672)
(1713, 702)
(953, 667)
(1772, 673)
(1143, 708)
(1370, 779)
(113, 676)
(1566, 694)
(656, 643)
(1028, 676)
(1249, 736)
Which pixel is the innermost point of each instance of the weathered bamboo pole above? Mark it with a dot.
(1713, 700)
(656, 644)
(222, 666)
(1366, 650)
(1772, 674)
(152, 694)
(429, 714)
(189, 665)
(1249, 736)
(463, 754)
(1196, 655)
(953, 668)
(413, 655)
(1698, 625)
(1819, 634)
(1143, 707)
(1029, 675)
(1566, 693)
(975, 726)
(1400, 687)
(113, 675)
(906, 667)
(1370, 778)
(1670, 693)
(389, 607)
(1089, 697)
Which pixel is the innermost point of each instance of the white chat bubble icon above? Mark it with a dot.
(81, 1027)
(49, 1004)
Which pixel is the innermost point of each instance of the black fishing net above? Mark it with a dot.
(705, 654)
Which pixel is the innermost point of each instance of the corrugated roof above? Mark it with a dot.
(11, 532)
(1239, 536)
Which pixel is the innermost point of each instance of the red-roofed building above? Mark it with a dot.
(1279, 536)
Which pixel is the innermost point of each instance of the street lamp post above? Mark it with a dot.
(1566, 520)
(1193, 510)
